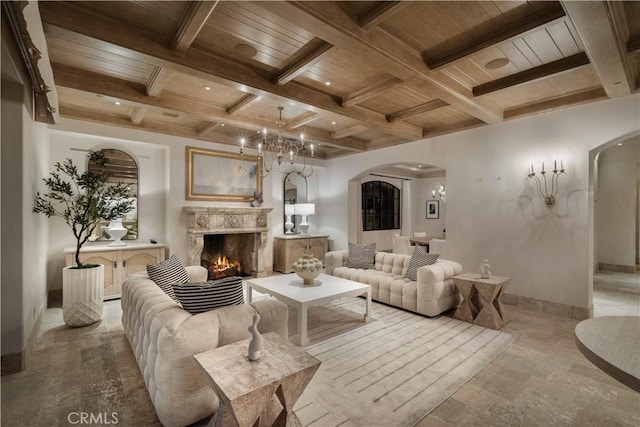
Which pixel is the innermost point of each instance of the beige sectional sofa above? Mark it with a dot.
(164, 338)
(432, 294)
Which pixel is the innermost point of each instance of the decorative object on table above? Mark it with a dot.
(308, 268)
(549, 195)
(256, 344)
(117, 231)
(441, 193)
(289, 211)
(304, 210)
(82, 200)
(222, 176)
(257, 199)
(433, 209)
(485, 270)
(281, 148)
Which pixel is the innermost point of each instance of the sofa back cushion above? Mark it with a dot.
(388, 262)
(361, 256)
(200, 297)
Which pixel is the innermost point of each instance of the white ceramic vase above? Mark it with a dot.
(308, 268)
(256, 343)
(82, 295)
(117, 231)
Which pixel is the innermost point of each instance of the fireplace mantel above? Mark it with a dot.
(227, 220)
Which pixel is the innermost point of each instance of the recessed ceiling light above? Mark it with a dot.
(327, 83)
(496, 63)
(222, 124)
(206, 87)
(619, 143)
(117, 102)
(334, 122)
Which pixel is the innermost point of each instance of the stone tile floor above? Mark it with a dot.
(540, 380)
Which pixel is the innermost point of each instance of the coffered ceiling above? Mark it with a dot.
(353, 76)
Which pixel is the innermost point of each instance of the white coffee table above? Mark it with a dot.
(289, 289)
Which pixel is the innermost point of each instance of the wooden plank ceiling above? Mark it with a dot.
(352, 76)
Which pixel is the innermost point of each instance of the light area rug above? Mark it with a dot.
(391, 371)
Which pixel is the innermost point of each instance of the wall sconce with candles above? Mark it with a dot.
(549, 195)
(442, 193)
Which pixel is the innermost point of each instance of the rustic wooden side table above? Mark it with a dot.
(481, 305)
(262, 392)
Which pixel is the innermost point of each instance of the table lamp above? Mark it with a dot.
(289, 211)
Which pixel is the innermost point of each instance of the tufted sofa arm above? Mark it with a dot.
(435, 287)
(335, 259)
(164, 338)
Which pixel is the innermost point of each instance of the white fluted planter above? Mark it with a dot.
(82, 295)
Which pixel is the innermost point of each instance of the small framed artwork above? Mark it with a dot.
(433, 209)
(220, 175)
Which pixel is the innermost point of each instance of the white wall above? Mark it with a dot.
(171, 184)
(24, 234)
(615, 204)
(421, 193)
(492, 211)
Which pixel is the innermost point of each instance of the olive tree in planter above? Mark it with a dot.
(82, 200)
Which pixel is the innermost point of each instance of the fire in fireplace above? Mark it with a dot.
(222, 267)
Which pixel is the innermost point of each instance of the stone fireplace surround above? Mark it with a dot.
(217, 220)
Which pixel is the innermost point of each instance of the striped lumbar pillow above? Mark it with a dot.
(166, 273)
(200, 297)
(419, 259)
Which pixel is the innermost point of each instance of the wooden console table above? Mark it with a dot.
(289, 247)
(481, 305)
(262, 392)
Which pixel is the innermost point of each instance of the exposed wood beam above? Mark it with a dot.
(370, 91)
(535, 73)
(418, 109)
(592, 20)
(303, 119)
(193, 17)
(111, 87)
(352, 130)
(242, 103)
(576, 98)
(518, 28)
(386, 141)
(95, 29)
(453, 127)
(302, 60)
(633, 45)
(158, 78)
(164, 128)
(379, 12)
(384, 51)
(137, 114)
(206, 127)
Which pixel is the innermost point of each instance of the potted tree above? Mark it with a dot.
(82, 200)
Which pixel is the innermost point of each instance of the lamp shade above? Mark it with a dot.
(305, 208)
(289, 209)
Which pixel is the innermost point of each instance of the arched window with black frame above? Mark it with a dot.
(380, 206)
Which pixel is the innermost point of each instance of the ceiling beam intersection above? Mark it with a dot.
(418, 109)
(370, 91)
(242, 103)
(352, 130)
(379, 12)
(193, 18)
(302, 60)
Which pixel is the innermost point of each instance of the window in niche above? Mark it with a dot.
(380, 206)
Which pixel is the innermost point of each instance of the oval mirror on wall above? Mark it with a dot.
(121, 167)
